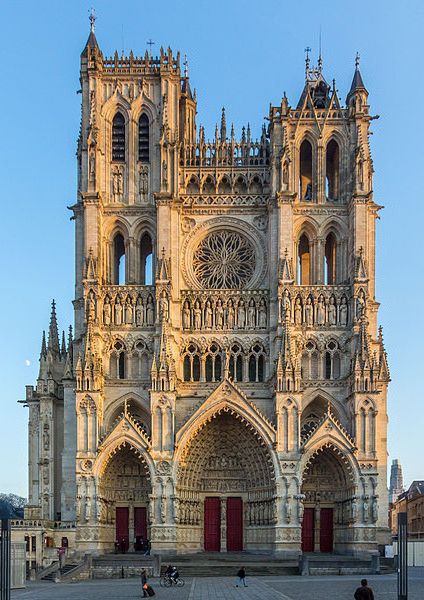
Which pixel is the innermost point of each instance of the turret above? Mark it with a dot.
(357, 98)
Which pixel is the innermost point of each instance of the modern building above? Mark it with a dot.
(225, 387)
(396, 481)
(411, 502)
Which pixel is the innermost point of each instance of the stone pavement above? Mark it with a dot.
(223, 588)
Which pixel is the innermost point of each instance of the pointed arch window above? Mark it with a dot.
(146, 260)
(304, 261)
(119, 260)
(330, 260)
(143, 139)
(305, 172)
(118, 138)
(332, 171)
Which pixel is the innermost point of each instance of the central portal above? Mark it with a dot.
(226, 488)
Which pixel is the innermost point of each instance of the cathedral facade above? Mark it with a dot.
(225, 386)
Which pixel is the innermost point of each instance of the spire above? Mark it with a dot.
(185, 84)
(223, 126)
(357, 81)
(307, 61)
(43, 352)
(92, 41)
(63, 345)
(53, 341)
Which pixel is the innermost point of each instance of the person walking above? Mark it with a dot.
(364, 592)
(241, 574)
(144, 583)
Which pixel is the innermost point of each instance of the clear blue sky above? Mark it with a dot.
(243, 55)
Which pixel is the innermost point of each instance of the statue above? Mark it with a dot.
(150, 311)
(118, 311)
(231, 315)
(117, 184)
(332, 312)
(321, 311)
(197, 315)
(91, 307)
(298, 311)
(251, 314)
(164, 306)
(241, 315)
(286, 305)
(308, 192)
(107, 311)
(366, 507)
(143, 183)
(309, 312)
(219, 315)
(262, 314)
(92, 165)
(360, 305)
(208, 315)
(129, 316)
(374, 509)
(46, 437)
(164, 174)
(354, 509)
(186, 315)
(139, 308)
(343, 312)
(163, 509)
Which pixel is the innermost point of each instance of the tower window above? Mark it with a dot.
(143, 139)
(332, 171)
(330, 260)
(119, 267)
(146, 262)
(305, 172)
(118, 138)
(304, 261)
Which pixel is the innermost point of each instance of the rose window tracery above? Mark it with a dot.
(224, 260)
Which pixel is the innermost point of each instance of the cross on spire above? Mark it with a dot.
(357, 59)
(307, 59)
(150, 43)
(92, 19)
(185, 66)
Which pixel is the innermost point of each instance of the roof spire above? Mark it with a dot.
(53, 341)
(357, 59)
(320, 55)
(185, 66)
(223, 126)
(43, 346)
(92, 19)
(307, 60)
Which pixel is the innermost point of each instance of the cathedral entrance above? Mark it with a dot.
(226, 488)
(328, 489)
(124, 488)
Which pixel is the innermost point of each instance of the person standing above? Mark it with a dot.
(241, 574)
(364, 592)
(144, 583)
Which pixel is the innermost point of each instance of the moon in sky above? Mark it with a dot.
(27, 362)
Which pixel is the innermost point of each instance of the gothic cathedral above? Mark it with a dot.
(225, 387)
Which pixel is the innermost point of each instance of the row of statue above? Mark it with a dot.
(261, 513)
(118, 184)
(222, 314)
(309, 312)
(127, 311)
(187, 512)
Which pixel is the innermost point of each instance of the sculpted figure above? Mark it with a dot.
(164, 306)
(197, 315)
(374, 509)
(309, 312)
(139, 310)
(286, 305)
(118, 311)
(332, 312)
(107, 311)
(241, 315)
(343, 311)
(262, 314)
(219, 315)
(186, 315)
(251, 314)
(360, 305)
(354, 509)
(91, 308)
(231, 318)
(150, 311)
(321, 311)
(366, 507)
(298, 311)
(129, 317)
(208, 315)
(143, 183)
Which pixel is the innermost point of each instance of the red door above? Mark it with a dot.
(212, 525)
(234, 524)
(122, 522)
(308, 530)
(140, 527)
(326, 530)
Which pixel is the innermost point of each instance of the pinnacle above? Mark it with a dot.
(53, 340)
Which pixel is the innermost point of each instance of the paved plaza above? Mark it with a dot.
(223, 588)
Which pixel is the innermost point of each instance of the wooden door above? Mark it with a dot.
(308, 524)
(122, 527)
(234, 524)
(140, 527)
(212, 525)
(326, 530)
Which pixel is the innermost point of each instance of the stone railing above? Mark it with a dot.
(224, 310)
(195, 200)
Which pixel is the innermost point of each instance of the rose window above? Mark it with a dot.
(224, 259)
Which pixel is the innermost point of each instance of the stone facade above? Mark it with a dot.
(226, 341)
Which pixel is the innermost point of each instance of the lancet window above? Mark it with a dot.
(118, 260)
(332, 171)
(236, 363)
(256, 363)
(332, 361)
(213, 363)
(305, 172)
(304, 261)
(191, 363)
(146, 260)
(330, 260)
(310, 361)
(118, 138)
(143, 139)
(140, 361)
(117, 364)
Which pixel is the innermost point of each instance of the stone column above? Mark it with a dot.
(68, 492)
(223, 524)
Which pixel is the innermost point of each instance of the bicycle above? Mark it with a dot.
(167, 581)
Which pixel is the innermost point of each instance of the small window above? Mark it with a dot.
(118, 138)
